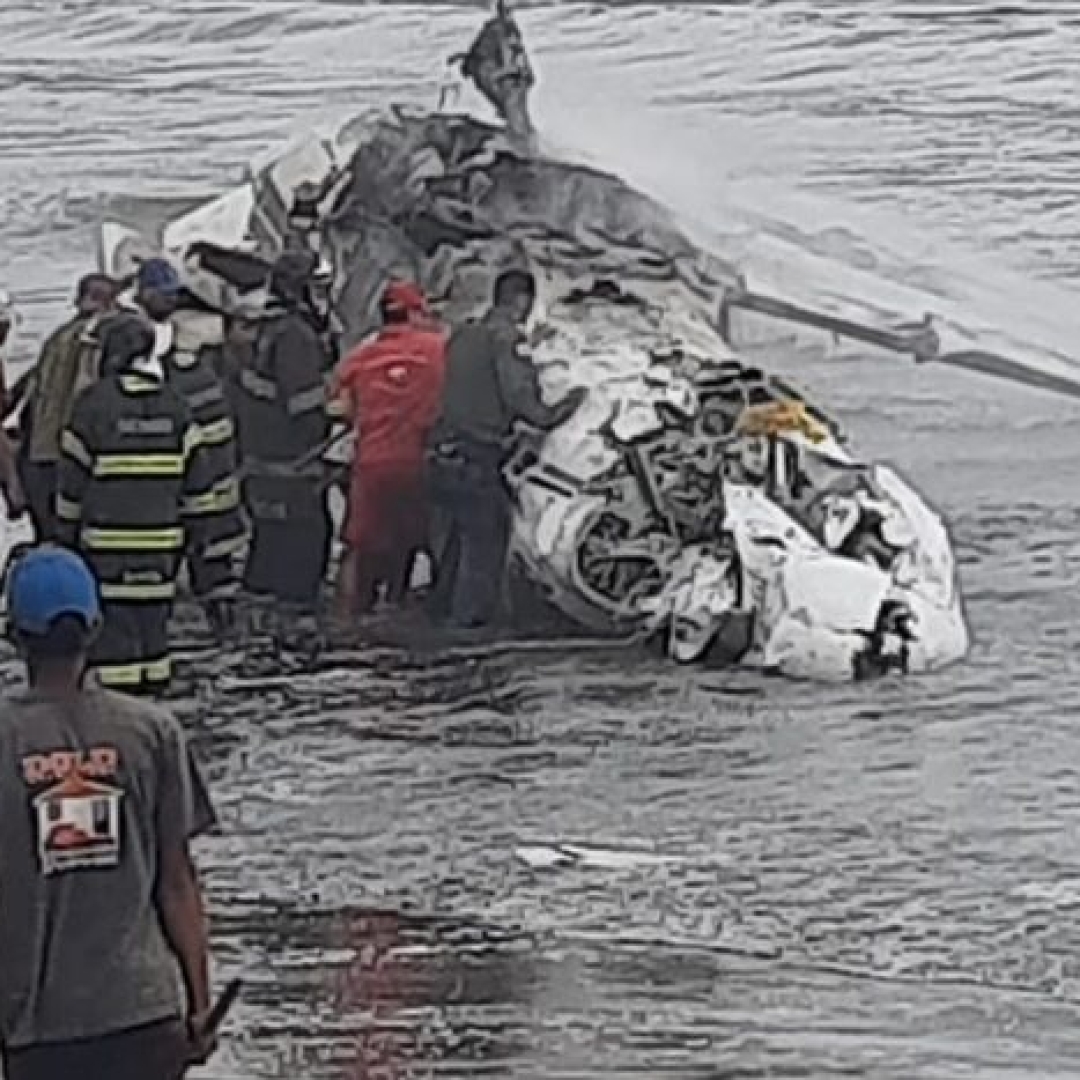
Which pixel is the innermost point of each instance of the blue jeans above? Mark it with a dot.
(474, 507)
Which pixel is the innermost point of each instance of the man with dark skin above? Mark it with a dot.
(103, 916)
(157, 290)
(490, 384)
(68, 365)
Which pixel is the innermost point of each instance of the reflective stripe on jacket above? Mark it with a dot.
(136, 487)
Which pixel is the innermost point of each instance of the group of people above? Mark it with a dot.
(146, 453)
(136, 455)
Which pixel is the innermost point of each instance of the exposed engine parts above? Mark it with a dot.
(658, 553)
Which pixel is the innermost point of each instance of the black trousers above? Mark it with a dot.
(291, 535)
(152, 1052)
(225, 538)
(132, 652)
(475, 513)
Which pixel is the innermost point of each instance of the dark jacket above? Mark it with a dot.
(282, 395)
(136, 489)
(68, 365)
(226, 533)
(490, 382)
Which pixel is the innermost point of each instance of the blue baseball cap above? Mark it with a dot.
(159, 275)
(49, 582)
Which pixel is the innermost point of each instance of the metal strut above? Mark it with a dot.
(920, 341)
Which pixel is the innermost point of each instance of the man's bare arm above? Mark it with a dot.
(183, 917)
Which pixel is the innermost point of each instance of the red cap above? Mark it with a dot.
(404, 297)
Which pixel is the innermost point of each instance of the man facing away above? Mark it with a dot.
(283, 425)
(236, 350)
(489, 384)
(68, 365)
(215, 563)
(102, 926)
(136, 494)
(390, 387)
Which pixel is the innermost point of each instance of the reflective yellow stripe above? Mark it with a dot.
(192, 440)
(121, 675)
(231, 545)
(204, 503)
(257, 385)
(73, 446)
(222, 497)
(306, 400)
(161, 465)
(68, 509)
(220, 431)
(133, 539)
(138, 384)
(165, 590)
(211, 395)
(227, 494)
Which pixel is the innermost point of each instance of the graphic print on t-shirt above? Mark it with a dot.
(77, 817)
(78, 825)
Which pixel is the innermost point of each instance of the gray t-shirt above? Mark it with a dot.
(91, 791)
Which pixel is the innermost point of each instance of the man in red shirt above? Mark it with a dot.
(391, 387)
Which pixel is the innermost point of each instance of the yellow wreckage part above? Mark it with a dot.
(780, 417)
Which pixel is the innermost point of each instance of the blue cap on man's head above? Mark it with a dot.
(47, 583)
(159, 275)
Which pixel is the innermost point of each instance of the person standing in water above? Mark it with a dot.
(136, 493)
(236, 349)
(390, 387)
(489, 384)
(283, 424)
(70, 362)
(102, 920)
(216, 562)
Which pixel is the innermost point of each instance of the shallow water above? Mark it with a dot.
(874, 881)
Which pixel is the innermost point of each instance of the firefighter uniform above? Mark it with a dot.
(282, 423)
(214, 566)
(136, 492)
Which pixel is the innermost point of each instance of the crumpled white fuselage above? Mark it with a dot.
(795, 569)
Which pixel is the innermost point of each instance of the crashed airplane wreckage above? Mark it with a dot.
(692, 497)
